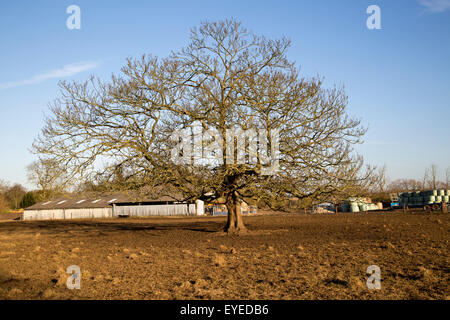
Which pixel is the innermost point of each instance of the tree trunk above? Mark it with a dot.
(235, 224)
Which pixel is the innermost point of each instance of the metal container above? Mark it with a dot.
(354, 207)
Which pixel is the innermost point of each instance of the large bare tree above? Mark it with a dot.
(447, 178)
(233, 84)
(433, 176)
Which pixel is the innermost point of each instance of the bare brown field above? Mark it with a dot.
(283, 257)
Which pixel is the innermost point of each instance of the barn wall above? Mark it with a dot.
(136, 211)
(88, 213)
(67, 214)
(43, 214)
(155, 210)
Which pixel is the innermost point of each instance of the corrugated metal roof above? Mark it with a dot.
(97, 201)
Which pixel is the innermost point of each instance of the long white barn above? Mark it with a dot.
(110, 206)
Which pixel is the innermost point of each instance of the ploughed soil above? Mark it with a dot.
(284, 256)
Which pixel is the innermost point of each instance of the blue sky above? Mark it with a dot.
(397, 78)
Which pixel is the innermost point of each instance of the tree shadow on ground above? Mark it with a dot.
(115, 225)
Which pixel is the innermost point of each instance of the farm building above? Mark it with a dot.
(219, 209)
(118, 205)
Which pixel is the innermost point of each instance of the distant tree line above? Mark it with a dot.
(15, 197)
(432, 179)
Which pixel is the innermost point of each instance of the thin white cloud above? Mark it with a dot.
(66, 71)
(435, 6)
